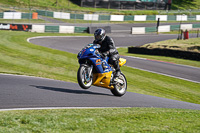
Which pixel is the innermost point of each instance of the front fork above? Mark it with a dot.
(90, 70)
(88, 73)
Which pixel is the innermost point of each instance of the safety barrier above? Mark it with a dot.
(17, 15)
(165, 52)
(97, 17)
(44, 28)
(164, 28)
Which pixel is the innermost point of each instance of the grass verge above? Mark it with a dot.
(17, 56)
(191, 45)
(101, 120)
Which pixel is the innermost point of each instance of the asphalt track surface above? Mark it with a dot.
(115, 28)
(32, 92)
(75, 44)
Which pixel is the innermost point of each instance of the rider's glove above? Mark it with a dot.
(104, 55)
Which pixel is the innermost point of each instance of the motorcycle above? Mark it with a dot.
(95, 70)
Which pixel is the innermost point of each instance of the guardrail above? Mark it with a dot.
(98, 17)
(164, 28)
(44, 28)
(17, 15)
(165, 52)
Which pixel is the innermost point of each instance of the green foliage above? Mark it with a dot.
(186, 4)
(65, 5)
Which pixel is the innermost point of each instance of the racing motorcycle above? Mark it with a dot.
(95, 70)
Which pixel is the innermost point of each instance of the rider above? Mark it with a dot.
(107, 49)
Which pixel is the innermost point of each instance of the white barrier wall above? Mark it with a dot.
(38, 28)
(162, 17)
(5, 26)
(66, 29)
(140, 17)
(198, 17)
(117, 18)
(186, 26)
(12, 15)
(138, 30)
(61, 15)
(94, 17)
(165, 28)
(181, 17)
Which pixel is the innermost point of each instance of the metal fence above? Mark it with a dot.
(125, 4)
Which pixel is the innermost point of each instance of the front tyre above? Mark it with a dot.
(83, 77)
(120, 86)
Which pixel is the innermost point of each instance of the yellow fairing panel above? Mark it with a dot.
(122, 61)
(102, 79)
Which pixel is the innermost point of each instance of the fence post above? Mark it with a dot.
(81, 3)
(109, 4)
(94, 3)
(158, 23)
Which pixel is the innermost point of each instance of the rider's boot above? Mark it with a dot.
(117, 69)
(117, 73)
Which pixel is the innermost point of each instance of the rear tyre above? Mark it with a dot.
(120, 88)
(84, 80)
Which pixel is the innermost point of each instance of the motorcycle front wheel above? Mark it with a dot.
(83, 77)
(120, 87)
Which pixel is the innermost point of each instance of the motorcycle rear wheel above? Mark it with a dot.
(84, 81)
(120, 89)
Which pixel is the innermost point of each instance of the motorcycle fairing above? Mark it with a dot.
(102, 79)
(89, 53)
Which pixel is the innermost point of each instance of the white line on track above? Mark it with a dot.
(30, 77)
(165, 75)
(162, 61)
(37, 37)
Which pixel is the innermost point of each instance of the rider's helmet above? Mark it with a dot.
(99, 35)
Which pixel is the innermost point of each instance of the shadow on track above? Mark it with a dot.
(69, 90)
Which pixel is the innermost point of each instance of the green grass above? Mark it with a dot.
(186, 4)
(101, 120)
(17, 56)
(68, 5)
(191, 45)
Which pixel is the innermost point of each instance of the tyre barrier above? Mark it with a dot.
(166, 52)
